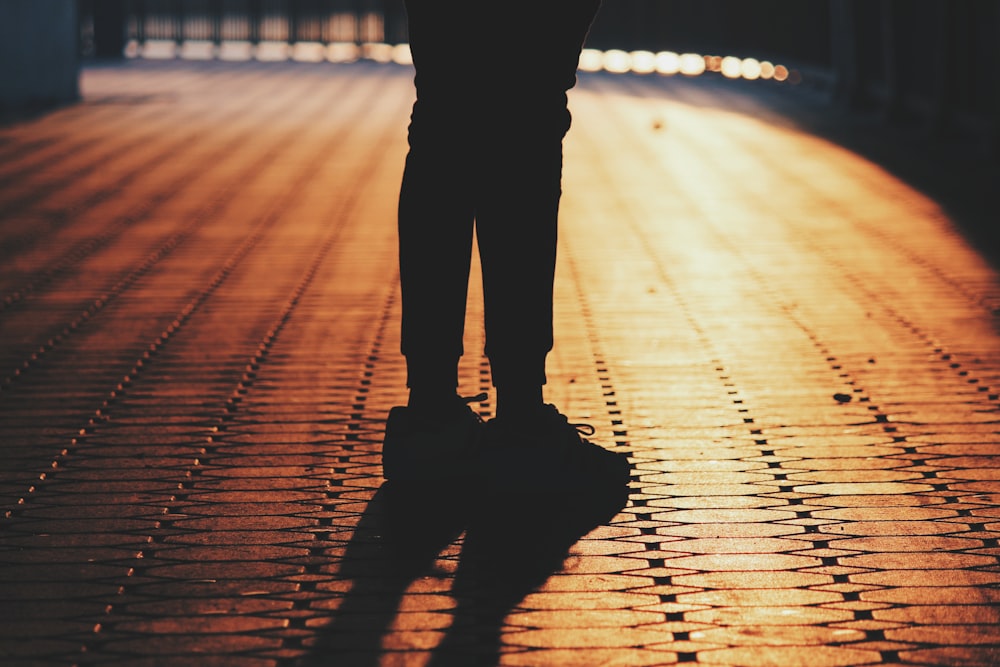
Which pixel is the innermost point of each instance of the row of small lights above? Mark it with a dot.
(666, 63)
(689, 64)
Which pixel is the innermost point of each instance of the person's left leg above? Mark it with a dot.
(519, 169)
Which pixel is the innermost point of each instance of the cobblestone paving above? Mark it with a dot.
(198, 348)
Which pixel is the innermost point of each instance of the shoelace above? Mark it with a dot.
(582, 428)
(478, 398)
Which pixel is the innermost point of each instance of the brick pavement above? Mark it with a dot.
(198, 347)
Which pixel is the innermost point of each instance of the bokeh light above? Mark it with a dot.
(750, 69)
(668, 62)
(378, 52)
(342, 52)
(401, 54)
(692, 64)
(591, 60)
(731, 67)
(643, 62)
(617, 61)
(308, 52)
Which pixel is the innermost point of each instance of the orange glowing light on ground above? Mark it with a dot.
(784, 336)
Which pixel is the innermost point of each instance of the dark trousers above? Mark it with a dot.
(485, 153)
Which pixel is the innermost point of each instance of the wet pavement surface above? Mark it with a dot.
(199, 347)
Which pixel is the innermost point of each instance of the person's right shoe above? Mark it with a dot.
(548, 455)
(417, 448)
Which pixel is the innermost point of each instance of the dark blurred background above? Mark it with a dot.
(934, 58)
(911, 84)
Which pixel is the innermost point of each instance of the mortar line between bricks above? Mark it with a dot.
(980, 301)
(76, 254)
(86, 248)
(219, 199)
(625, 206)
(252, 559)
(609, 396)
(268, 219)
(773, 297)
(768, 297)
(719, 369)
(94, 109)
(340, 212)
(97, 162)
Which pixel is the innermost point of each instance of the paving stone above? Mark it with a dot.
(774, 580)
(903, 577)
(796, 348)
(942, 595)
(730, 530)
(914, 544)
(968, 635)
(616, 600)
(744, 562)
(766, 597)
(816, 656)
(942, 615)
(804, 635)
(596, 618)
(769, 616)
(627, 657)
(952, 655)
(865, 488)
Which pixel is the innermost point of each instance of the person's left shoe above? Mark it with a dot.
(421, 449)
(549, 454)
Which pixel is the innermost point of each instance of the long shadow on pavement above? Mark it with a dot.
(511, 547)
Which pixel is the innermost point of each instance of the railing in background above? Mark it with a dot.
(255, 21)
(113, 27)
(934, 59)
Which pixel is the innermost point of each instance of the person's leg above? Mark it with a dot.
(436, 211)
(532, 63)
(434, 437)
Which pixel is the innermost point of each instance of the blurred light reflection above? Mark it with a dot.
(666, 63)
(617, 61)
(731, 67)
(692, 64)
(750, 69)
(643, 62)
(591, 60)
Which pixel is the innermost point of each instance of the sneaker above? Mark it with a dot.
(418, 449)
(550, 455)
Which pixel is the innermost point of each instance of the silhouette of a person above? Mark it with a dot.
(485, 140)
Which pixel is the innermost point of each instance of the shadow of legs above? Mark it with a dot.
(397, 540)
(512, 546)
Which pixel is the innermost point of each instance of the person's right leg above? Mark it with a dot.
(530, 53)
(529, 446)
(436, 208)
